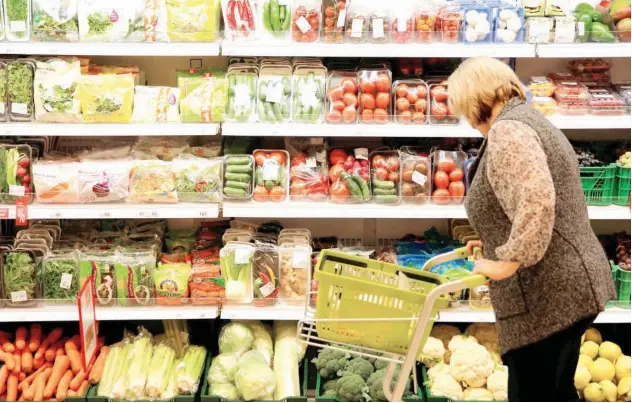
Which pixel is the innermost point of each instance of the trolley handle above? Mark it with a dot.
(457, 254)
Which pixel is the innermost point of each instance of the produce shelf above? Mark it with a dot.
(118, 211)
(572, 50)
(270, 48)
(44, 312)
(108, 129)
(591, 122)
(111, 49)
(277, 312)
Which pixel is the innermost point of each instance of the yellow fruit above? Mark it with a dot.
(582, 377)
(609, 351)
(585, 361)
(593, 335)
(609, 390)
(624, 387)
(622, 367)
(602, 369)
(594, 393)
(589, 348)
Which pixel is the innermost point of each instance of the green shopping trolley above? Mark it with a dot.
(379, 310)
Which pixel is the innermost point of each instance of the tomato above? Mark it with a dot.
(336, 156)
(338, 105)
(421, 105)
(393, 177)
(313, 22)
(402, 104)
(456, 175)
(296, 35)
(329, 22)
(349, 85)
(422, 91)
(405, 117)
(419, 117)
(378, 161)
(441, 180)
(412, 97)
(401, 91)
(330, 11)
(298, 159)
(368, 87)
(279, 156)
(277, 194)
(407, 190)
(383, 83)
(298, 190)
(457, 191)
(350, 100)
(447, 165)
(333, 116)
(393, 164)
(260, 158)
(335, 93)
(339, 191)
(335, 171)
(381, 173)
(367, 116)
(439, 111)
(349, 115)
(380, 115)
(383, 100)
(260, 193)
(441, 196)
(367, 101)
(439, 93)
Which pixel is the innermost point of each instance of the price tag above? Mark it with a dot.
(266, 289)
(16, 190)
(151, 213)
(299, 260)
(242, 95)
(303, 25)
(274, 92)
(20, 109)
(361, 153)
(4, 213)
(572, 83)
(270, 170)
(285, 2)
(401, 24)
(539, 79)
(342, 16)
(482, 289)
(581, 31)
(18, 296)
(356, 27)
(17, 26)
(311, 162)
(419, 178)
(66, 281)
(603, 96)
(378, 28)
(55, 214)
(316, 141)
(203, 213)
(106, 214)
(1, 108)
(242, 256)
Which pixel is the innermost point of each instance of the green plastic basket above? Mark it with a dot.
(351, 287)
(622, 186)
(598, 184)
(623, 294)
(623, 275)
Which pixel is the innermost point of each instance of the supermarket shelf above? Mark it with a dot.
(332, 210)
(278, 312)
(568, 50)
(360, 130)
(270, 48)
(108, 129)
(467, 315)
(118, 211)
(111, 49)
(592, 122)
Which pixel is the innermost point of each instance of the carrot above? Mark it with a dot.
(4, 374)
(12, 387)
(36, 337)
(20, 338)
(17, 358)
(73, 343)
(75, 361)
(62, 363)
(9, 362)
(97, 368)
(77, 380)
(62, 388)
(71, 393)
(37, 363)
(21, 376)
(27, 361)
(52, 338)
(27, 390)
(40, 384)
(51, 351)
(31, 378)
(7, 346)
(83, 388)
(100, 343)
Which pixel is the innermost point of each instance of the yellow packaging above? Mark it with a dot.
(106, 98)
(193, 20)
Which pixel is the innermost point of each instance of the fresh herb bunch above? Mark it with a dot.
(46, 27)
(52, 278)
(17, 10)
(136, 25)
(3, 84)
(21, 84)
(20, 274)
(99, 23)
(59, 99)
(107, 105)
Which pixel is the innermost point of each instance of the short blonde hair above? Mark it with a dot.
(478, 84)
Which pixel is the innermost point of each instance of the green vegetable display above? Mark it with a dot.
(198, 180)
(274, 99)
(238, 176)
(189, 370)
(242, 97)
(20, 278)
(3, 89)
(60, 278)
(17, 12)
(600, 32)
(20, 82)
(15, 170)
(61, 99)
(102, 267)
(276, 17)
(308, 97)
(236, 264)
(49, 28)
(134, 278)
(99, 23)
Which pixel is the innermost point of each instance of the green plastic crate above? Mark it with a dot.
(623, 292)
(623, 275)
(598, 184)
(622, 186)
(429, 397)
(205, 397)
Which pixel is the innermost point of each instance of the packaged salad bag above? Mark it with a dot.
(55, 20)
(149, 23)
(134, 271)
(103, 181)
(55, 86)
(203, 98)
(106, 98)
(198, 179)
(193, 20)
(152, 182)
(105, 21)
(155, 104)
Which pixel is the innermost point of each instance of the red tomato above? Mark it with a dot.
(441, 180)
(381, 174)
(447, 165)
(380, 115)
(378, 161)
(412, 97)
(313, 22)
(349, 115)
(367, 116)
(349, 85)
(441, 196)
(421, 105)
(401, 91)
(336, 156)
(367, 101)
(383, 83)
(402, 104)
(260, 194)
(393, 177)
(405, 117)
(330, 11)
(260, 158)
(422, 91)
(298, 190)
(329, 22)
(368, 87)
(419, 117)
(338, 105)
(334, 116)
(279, 156)
(383, 100)
(277, 194)
(298, 159)
(350, 100)
(335, 171)
(300, 11)
(439, 110)
(456, 175)
(439, 93)
(393, 164)
(457, 191)
(339, 191)
(335, 93)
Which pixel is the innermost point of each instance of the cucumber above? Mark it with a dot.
(354, 188)
(237, 185)
(364, 187)
(238, 161)
(386, 199)
(240, 169)
(378, 184)
(228, 191)
(238, 177)
(384, 192)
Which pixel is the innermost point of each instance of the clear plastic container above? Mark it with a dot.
(570, 91)
(275, 94)
(238, 176)
(55, 20)
(416, 183)
(375, 95)
(411, 101)
(625, 90)
(357, 25)
(565, 30)
(341, 102)
(20, 156)
(597, 65)
(308, 103)
(545, 105)
(477, 24)
(606, 103)
(449, 24)
(60, 278)
(294, 273)
(403, 22)
(239, 19)
(20, 278)
(17, 20)
(271, 175)
(236, 260)
(3, 92)
(603, 78)
(439, 111)
(561, 76)
(541, 86)
(308, 169)
(448, 177)
(425, 25)
(306, 21)
(385, 176)
(265, 283)
(573, 108)
(349, 175)
(334, 20)
(242, 96)
(509, 25)
(379, 26)
(20, 75)
(539, 30)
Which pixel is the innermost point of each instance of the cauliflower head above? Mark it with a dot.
(477, 394)
(440, 368)
(472, 364)
(351, 388)
(497, 383)
(359, 366)
(445, 333)
(433, 352)
(330, 361)
(457, 341)
(445, 385)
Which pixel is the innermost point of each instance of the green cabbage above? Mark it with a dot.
(235, 338)
(255, 381)
(252, 356)
(263, 340)
(223, 368)
(224, 390)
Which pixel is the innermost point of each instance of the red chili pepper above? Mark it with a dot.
(231, 14)
(264, 277)
(200, 186)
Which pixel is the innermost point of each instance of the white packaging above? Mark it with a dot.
(156, 104)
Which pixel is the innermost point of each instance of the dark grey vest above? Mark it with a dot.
(573, 281)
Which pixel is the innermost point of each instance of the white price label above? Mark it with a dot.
(341, 19)
(303, 25)
(356, 27)
(285, 2)
(378, 28)
(18, 296)
(571, 83)
(603, 96)
(20, 109)
(401, 24)
(16, 190)
(56, 214)
(66, 281)
(316, 141)
(150, 213)
(106, 214)
(17, 26)
(267, 289)
(482, 289)
(1, 108)
(419, 178)
(242, 95)
(361, 153)
(300, 260)
(311, 162)
(539, 79)
(581, 31)
(242, 256)
(270, 170)
(274, 92)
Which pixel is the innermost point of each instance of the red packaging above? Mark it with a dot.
(334, 19)
(375, 95)
(589, 66)
(349, 175)
(410, 101)
(341, 103)
(448, 177)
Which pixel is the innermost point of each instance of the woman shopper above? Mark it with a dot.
(549, 275)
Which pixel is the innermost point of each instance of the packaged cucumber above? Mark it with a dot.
(275, 92)
(308, 105)
(238, 171)
(242, 96)
(385, 176)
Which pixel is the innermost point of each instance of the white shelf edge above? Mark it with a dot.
(584, 122)
(112, 49)
(108, 129)
(248, 312)
(466, 315)
(573, 50)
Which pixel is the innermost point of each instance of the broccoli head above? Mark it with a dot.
(376, 385)
(380, 364)
(352, 388)
(359, 366)
(329, 385)
(329, 362)
(331, 393)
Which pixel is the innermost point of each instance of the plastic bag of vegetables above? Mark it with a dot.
(149, 22)
(235, 338)
(193, 20)
(139, 366)
(15, 171)
(222, 370)
(198, 179)
(60, 277)
(254, 380)
(103, 181)
(106, 98)
(189, 370)
(55, 20)
(236, 263)
(55, 91)
(160, 368)
(155, 104)
(134, 278)
(204, 100)
(152, 182)
(107, 21)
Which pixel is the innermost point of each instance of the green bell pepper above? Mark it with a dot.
(584, 17)
(582, 7)
(601, 33)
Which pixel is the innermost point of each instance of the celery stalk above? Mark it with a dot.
(159, 370)
(120, 384)
(170, 391)
(107, 380)
(190, 369)
(138, 367)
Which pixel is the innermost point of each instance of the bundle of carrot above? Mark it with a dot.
(47, 368)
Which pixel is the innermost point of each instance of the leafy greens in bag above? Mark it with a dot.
(55, 91)
(55, 20)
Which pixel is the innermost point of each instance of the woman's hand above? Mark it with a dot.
(495, 270)
(473, 244)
